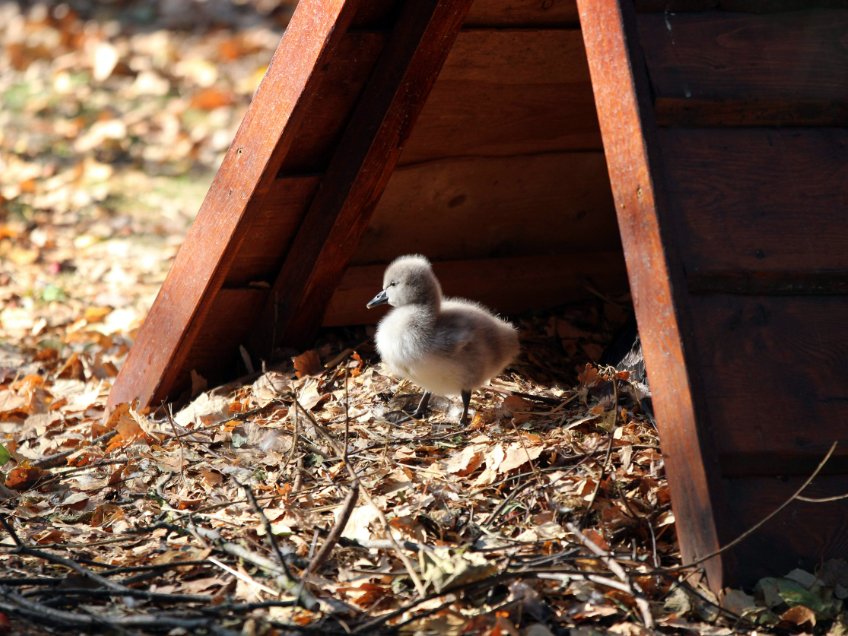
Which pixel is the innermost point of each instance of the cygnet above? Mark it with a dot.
(447, 346)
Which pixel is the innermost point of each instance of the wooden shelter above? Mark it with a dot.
(468, 131)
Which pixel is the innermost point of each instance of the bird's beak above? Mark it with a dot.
(380, 299)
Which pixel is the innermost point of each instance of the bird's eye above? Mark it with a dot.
(393, 283)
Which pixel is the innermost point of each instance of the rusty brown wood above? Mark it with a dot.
(680, 112)
(508, 92)
(248, 170)
(523, 14)
(622, 96)
(738, 57)
(542, 204)
(758, 199)
(358, 173)
(508, 285)
(741, 6)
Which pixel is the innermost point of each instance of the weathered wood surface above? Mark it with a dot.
(682, 112)
(743, 6)
(622, 94)
(475, 208)
(343, 80)
(771, 367)
(273, 230)
(765, 283)
(507, 285)
(215, 350)
(804, 535)
(724, 56)
(759, 200)
(248, 170)
(523, 14)
(358, 173)
(756, 215)
(512, 92)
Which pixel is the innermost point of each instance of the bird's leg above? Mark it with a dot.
(422, 405)
(466, 400)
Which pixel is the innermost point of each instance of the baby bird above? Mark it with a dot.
(447, 346)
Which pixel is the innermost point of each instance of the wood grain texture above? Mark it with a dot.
(376, 14)
(622, 93)
(772, 366)
(760, 283)
(342, 81)
(455, 209)
(682, 112)
(508, 92)
(507, 285)
(802, 536)
(214, 354)
(743, 6)
(358, 173)
(759, 200)
(722, 56)
(273, 230)
(523, 14)
(249, 168)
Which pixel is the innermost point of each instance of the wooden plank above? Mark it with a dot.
(733, 56)
(826, 283)
(463, 119)
(215, 351)
(474, 208)
(674, 6)
(523, 14)
(342, 83)
(622, 94)
(507, 93)
(358, 173)
(499, 92)
(273, 231)
(249, 169)
(376, 14)
(757, 200)
(517, 56)
(781, 358)
(744, 6)
(691, 113)
(802, 536)
(508, 285)
(779, 6)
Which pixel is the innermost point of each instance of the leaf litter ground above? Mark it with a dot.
(236, 512)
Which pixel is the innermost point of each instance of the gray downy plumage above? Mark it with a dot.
(447, 346)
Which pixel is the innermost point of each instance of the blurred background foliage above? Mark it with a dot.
(114, 116)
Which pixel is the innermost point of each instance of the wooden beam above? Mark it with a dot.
(683, 112)
(622, 95)
(358, 173)
(248, 170)
(523, 14)
(507, 285)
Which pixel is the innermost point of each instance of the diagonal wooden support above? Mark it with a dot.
(622, 96)
(358, 173)
(194, 304)
(224, 220)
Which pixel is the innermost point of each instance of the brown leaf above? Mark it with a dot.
(595, 537)
(800, 615)
(12, 404)
(96, 314)
(23, 477)
(308, 363)
(211, 478)
(212, 98)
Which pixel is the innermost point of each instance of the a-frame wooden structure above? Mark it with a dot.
(467, 130)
